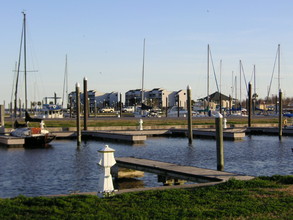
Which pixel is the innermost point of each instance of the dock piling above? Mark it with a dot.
(220, 142)
(249, 104)
(85, 104)
(189, 118)
(77, 90)
(280, 114)
(2, 122)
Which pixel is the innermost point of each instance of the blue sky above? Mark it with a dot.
(104, 41)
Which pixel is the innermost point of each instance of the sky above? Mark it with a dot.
(103, 41)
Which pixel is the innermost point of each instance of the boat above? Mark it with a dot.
(33, 136)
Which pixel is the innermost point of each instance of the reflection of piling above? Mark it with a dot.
(85, 104)
(249, 104)
(220, 142)
(280, 114)
(190, 133)
(78, 131)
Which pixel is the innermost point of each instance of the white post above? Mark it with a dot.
(106, 161)
(225, 123)
(140, 124)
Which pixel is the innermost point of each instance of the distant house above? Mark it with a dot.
(215, 98)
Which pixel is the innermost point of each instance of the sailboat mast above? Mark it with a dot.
(24, 57)
(279, 68)
(142, 81)
(208, 76)
(65, 83)
(254, 79)
(240, 64)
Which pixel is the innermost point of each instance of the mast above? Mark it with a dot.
(279, 68)
(65, 83)
(24, 57)
(208, 76)
(240, 64)
(142, 81)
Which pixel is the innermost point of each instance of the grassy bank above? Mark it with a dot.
(261, 198)
(130, 121)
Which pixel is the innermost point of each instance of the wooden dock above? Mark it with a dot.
(10, 141)
(269, 131)
(228, 134)
(193, 174)
(134, 137)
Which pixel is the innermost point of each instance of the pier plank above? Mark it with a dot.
(194, 174)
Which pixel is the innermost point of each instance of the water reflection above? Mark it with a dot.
(64, 167)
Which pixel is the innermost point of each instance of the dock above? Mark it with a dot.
(134, 137)
(269, 131)
(11, 141)
(228, 134)
(193, 174)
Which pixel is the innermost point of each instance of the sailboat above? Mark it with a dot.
(33, 136)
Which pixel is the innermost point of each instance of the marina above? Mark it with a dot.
(64, 167)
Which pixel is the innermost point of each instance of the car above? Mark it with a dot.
(128, 109)
(107, 110)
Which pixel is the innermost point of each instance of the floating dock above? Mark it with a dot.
(269, 131)
(193, 174)
(228, 134)
(11, 141)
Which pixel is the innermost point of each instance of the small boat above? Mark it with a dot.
(33, 136)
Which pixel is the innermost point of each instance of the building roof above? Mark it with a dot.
(216, 97)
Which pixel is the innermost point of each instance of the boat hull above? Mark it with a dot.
(38, 141)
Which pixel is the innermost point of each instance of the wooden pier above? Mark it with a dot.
(134, 137)
(269, 131)
(228, 134)
(193, 174)
(11, 141)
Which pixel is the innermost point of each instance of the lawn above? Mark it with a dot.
(260, 198)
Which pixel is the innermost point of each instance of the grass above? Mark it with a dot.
(130, 121)
(261, 198)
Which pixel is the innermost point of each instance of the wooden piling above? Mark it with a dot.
(2, 114)
(249, 104)
(189, 110)
(70, 106)
(120, 105)
(220, 142)
(178, 107)
(280, 114)
(166, 107)
(85, 104)
(77, 90)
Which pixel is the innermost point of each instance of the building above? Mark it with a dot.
(156, 97)
(97, 99)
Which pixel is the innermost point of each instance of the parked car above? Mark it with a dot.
(107, 110)
(128, 109)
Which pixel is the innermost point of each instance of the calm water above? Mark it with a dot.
(64, 168)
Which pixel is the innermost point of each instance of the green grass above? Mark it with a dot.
(130, 121)
(261, 198)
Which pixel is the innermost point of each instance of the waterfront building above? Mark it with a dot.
(156, 97)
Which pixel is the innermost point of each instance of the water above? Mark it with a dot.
(64, 168)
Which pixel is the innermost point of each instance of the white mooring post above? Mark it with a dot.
(106, 161)
(140, 127)
(225, 123)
